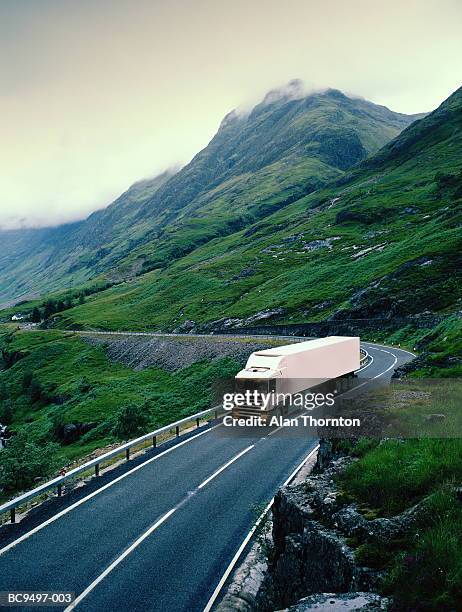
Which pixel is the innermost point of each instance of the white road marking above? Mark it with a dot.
(223, 467)
(275, 431)
(98, 491)
(377, 375)
(119, 559)
(248, 537)
(168, 514)
(374, 345)
(392, 365)
(149, 531)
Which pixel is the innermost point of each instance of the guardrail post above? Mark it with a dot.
(95, 464)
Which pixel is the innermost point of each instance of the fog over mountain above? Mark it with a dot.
(287, 145)
(98, 95)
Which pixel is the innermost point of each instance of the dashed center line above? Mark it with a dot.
(150, 530)
(223, 467)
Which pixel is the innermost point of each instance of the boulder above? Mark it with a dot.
(433, 418)
(70, 433)
(341, 602)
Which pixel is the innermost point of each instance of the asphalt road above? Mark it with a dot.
(161, 537)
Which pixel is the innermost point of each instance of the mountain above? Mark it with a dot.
(383, 241)
(258, 162)
(329, 127)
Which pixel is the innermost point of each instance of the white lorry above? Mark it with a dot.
(294, 368)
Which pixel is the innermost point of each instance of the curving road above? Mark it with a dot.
(160, 533)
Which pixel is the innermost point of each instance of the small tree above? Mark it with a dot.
(84, 385)
(27, 380)
(50, 309)
(23, 460)
(36, 317)
(6, 412)
(131, 421)
(35, 390)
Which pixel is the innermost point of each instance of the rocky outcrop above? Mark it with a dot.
(316, 530)
(311, 554)
(242, 325)
(381, 530)
(348, 602)
(244, 273)
(71, 432)
(326, 454)
(316, 560)
(269, 313)
(341, 323)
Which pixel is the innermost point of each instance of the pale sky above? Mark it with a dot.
(96, 94)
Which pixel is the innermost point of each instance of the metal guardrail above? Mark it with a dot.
(124, 448)
(57, 482)
(364, 357)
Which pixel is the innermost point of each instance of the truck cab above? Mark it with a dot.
(262, 374)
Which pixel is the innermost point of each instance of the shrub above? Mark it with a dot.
(6, 412)
(83, 385)
(131, 421)
(27, 379)
(36, 316)
(22, 461)
(35, 390)
(429, 576)
(49, 309)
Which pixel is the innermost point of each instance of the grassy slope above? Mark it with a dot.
(423, 568)
(79, 384)
(406, 214)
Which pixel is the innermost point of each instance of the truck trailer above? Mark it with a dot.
(294, 368)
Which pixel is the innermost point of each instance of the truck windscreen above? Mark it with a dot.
(244, 384)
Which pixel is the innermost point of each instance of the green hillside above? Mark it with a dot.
(384, 241)
(257, 163)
